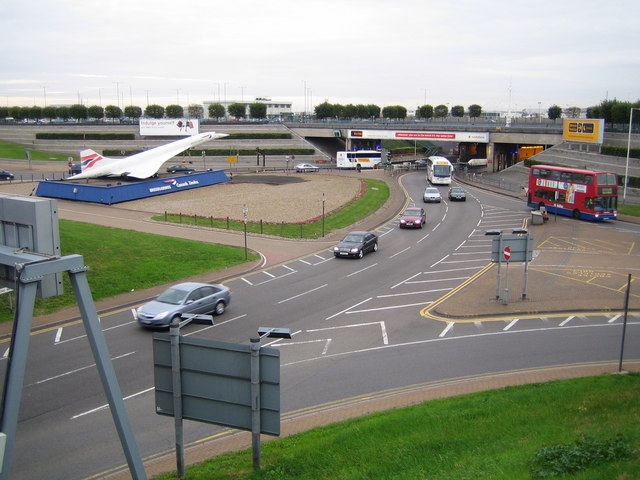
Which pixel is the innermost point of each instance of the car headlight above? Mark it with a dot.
(160, 316)
(403, 221)
(336, 249)
(355, 249)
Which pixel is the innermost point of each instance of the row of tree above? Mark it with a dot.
(81, 112)
(613, 111)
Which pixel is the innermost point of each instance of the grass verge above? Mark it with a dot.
(15, 151)
(376, 194)
(122, 260)
(496, 434)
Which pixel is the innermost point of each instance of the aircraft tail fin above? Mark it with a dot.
(88, 159)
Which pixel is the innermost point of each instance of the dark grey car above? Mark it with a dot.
(356, 244)
(188, 297)
(457, 193)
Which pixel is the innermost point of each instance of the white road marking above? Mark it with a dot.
(511, 324)
(302, 294)
(446, 330)
(347, 309)
(360, 271)
(383, 327)
(567, 320)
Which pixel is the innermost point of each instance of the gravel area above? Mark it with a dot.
(269, 197)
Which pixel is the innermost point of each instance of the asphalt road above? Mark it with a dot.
(357, 331)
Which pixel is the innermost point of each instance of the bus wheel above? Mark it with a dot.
(576, 213)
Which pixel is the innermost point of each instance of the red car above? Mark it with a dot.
(413, 217)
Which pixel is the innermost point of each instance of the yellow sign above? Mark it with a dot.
(583, 130)
(232, 159)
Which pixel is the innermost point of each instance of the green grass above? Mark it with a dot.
(122, 260)
(15, 151)
(372, 199)
(495, 435)
(632, 210)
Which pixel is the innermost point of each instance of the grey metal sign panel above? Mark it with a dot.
(216, 382)
(516, 245)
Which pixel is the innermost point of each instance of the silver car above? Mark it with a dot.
(188, 297)
(431, 194)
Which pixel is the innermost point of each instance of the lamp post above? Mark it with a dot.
(626, 168)
(245, 211)
(324, 199)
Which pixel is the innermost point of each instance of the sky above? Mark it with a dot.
(505, 55)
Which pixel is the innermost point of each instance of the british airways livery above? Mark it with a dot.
(141, 165)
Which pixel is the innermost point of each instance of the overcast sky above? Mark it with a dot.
(501, 54)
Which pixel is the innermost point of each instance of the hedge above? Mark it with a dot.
(85, 136)
(619, 151)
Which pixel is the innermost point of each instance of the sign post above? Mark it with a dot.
(507, 255)
(517, 247)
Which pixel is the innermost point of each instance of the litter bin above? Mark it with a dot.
(536, 218)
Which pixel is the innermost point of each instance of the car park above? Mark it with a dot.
(457, 193)
(356, 244)
(180, 169)
(5, 175)
(306, 167)
(414, 217)
(183, 298)
(431, 195)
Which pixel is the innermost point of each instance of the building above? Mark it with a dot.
(276, 110)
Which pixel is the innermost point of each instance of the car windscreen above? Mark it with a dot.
(353, 238)
(172, 296)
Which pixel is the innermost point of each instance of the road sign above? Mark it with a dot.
(507, 253)
(520, 249)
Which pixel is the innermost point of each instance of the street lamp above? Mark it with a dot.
(245, 212)
(626, 168)
(324, 199)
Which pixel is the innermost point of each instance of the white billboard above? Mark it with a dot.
(479, 137)
(178, 127)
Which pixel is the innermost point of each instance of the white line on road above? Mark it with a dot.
(388, 308)
(360, 271)
(302, 294)
(511, 324)
(567, 320)
(446, 330)
(347, 309)
(615, 317)
(103, 407)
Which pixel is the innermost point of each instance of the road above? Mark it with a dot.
(357, 330)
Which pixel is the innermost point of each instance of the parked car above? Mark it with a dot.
(413, 217)
(4, 175)
(356, 244)
(431, 194)
(181, 169)
(306, 167)
(421, 163)
(188, 297)
(457, 193)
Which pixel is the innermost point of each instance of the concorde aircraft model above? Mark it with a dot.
(141, 165)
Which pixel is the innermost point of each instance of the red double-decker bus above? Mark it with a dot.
(587, 194)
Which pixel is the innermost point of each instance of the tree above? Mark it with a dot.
(132, 112)
(258, 110)
(154, 111)
(573, 112)
(95, 111)
(441, 111)
(78, 111)
(373, 111)
(4, 112)
(350, 111)
(324, 110)
(216, 111)
(394, 112)
(174, 111)
(195, 111)
(238, 110)
(425, 111)
(475, 110)
(457, 111)
(49, 112)
(113, 112)
(554, 112)
(63, 113)
(35, 113)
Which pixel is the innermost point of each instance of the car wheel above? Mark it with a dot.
(220, 308)
(361, 254)
(375, 247)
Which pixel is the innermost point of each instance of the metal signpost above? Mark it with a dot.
(515, 247)
(233, 385)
